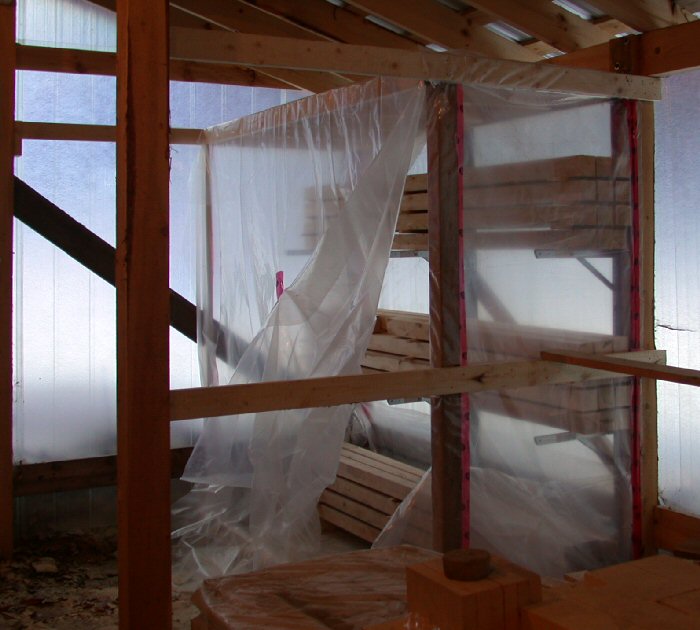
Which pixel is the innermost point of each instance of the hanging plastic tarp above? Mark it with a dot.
(548, 237)
(310, 189)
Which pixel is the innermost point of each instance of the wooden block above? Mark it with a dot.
(482, 604)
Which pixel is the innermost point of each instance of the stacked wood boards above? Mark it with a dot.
(367, 490)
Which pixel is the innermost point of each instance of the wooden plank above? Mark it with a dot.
(649, 419)
(396, 345)
(354, 509)
(143, 308)
(645, 15)
(556, 243)
(87, 248)
(74, 61)
(416, 183)
(7, 153)
(280, 52)
(79, 474)
(673, 529)
(381, 463)
(412, 222)
(90, 133)
(392, 362)
(403, 324)
(368, 496)
(414, 201)
(448, 415)
(329, 391)
(438, 24)
(371, 477)
(550, 216)
(410, 242)
(546, 21)
(669, 373)
(348, 523)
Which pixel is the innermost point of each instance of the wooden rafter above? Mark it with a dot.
(435, 23)
(546, 21)
(645, 15)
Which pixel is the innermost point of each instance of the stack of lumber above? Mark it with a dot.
(400, 342)
(566, 206)
(367, 490)
(655, 592)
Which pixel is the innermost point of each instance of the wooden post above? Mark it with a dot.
(7, 121)
(449, 422)
(649, 437)
(143, 306)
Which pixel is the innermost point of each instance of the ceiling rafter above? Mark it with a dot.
(545, 20)
(645, 15)
(332, 22)
(435, 23)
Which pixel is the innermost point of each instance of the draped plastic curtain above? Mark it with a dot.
(311, 189)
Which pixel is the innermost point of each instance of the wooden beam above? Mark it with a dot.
(649, 420)
(259, 51)
(206, 402)
(80, 474)
(645, 15)
(90, 133)
(684, 376)
(658, 53)
(7, 153)
(437, 24)
(674, 529)
(74, 61)
(143, 305)
(544, 20)
(87, 248)
(449, 423)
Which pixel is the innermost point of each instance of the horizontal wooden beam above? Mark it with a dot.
(465, 67)
(90, 133)
(79, 474)
(205, 402)
(74, 61)
(657, 53)
(626, 365)
(674, 530)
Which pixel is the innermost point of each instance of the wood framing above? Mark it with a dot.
(281, 52)
(105, 64)
(673, 530)
(649, 422)
(143, 308)
(448, 416)
(629, 366)
(209, 402)
(7, 152)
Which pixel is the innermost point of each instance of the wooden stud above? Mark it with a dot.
(280, 52)
(90, 133)
(447, 316)
(649, 420)
(329, 391)
(7, 153)
(143, 306)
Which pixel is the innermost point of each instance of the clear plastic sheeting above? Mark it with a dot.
(311, 189)
(547, 238)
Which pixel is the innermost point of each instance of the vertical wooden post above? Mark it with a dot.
(449, 423)
(143, 307)
(649, 426)
(7, 123)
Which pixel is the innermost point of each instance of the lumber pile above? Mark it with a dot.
(655, 592)
(568, 206)
(401, 342)
(367, 490)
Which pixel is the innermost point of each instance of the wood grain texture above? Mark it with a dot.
(7, 152)
(143, 308)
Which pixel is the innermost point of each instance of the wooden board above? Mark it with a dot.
(143, 313)
(7, 152)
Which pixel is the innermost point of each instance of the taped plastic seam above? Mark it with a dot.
(312, 189)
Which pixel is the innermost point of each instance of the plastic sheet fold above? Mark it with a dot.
(310, 189)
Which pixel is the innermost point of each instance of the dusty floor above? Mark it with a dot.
(68, 582)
